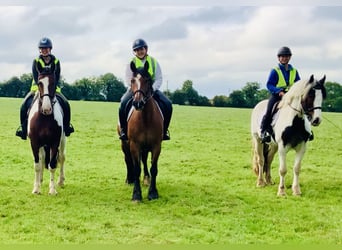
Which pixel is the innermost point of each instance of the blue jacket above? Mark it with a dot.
(273, 78)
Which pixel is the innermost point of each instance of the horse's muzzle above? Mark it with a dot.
(138, 105)
(316, 121)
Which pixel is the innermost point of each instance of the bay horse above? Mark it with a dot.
(144, 132)
(299, 108)
(45, 130)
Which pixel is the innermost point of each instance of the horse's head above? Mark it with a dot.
(46, 92)
(141, 86)
(312, 101)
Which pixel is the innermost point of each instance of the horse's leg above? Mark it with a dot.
(152, 191)
(272, 150)
(296, 169)
(61, 160)
(38, 168)
(282, 170)
(135, 152)
(258, 161)
(52, 169)
(147, 178)
(128, 161)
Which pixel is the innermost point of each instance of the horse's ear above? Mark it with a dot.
(146, 66)
(133, 67)
(311, 79)
(322, 81)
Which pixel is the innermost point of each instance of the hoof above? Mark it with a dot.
(36, 192)
(137, 197)
(53, 192)
(261, 183)
(129, 182)
(153, 195)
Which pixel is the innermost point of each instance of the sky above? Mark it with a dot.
(219, 45)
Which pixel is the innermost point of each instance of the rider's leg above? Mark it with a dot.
(166, 107)
(267, 119)
(68, 128)
(123, 115)
(22, 130)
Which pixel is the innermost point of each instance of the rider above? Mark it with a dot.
(45, 63)
(140, 51)
(280, 79)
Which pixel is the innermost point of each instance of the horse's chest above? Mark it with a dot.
(296, 133)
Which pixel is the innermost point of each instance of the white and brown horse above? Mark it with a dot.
(299, 108)
(45, 130)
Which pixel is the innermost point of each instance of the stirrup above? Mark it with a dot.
(123, 136)
(69, 129)
(265, 137)
(166, 136)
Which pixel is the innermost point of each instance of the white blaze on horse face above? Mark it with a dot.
(46, 102)
(138, 81)
(316, 117)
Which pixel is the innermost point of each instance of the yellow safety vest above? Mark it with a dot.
(34, 86)
(152, 65)
(281, 80)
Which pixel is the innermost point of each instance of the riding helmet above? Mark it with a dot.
(45, 43)
(284, 51)
(139, 43)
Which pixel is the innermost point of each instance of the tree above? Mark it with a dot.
(179, 97)
(237, 99)
(250, 93)
(221, 101)
(190, 93)
(111, 87)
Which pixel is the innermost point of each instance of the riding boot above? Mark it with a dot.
(311, 137)
(125, 105)
(123, 125)
(22, 131)
(68, 128)
(265, 135)
(167, 118)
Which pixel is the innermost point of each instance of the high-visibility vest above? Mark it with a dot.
(281, 80)
(152, 65)
(34, 86)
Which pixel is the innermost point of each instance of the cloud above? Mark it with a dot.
(219, 47)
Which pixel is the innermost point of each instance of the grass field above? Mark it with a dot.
(206, 185)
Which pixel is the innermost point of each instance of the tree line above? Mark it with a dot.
(109, 88)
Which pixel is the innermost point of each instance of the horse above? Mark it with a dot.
(299, 108)
(45, 130)
(144, 132)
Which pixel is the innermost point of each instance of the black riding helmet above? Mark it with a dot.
(139, 43)
(45, 43)
(284, 51)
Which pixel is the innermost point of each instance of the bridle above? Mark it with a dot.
(146, 95)
(52, 98)
(307, 110)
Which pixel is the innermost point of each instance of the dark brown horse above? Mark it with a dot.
(145, 134)
(45, 130)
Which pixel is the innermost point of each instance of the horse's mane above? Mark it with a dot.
(298, 91)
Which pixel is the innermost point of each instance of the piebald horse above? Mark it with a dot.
(299, 108)
(145, 134)
(45, 130)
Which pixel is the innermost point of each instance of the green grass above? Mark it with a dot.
(205, 181)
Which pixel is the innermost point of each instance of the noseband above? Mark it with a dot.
(145, 96)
